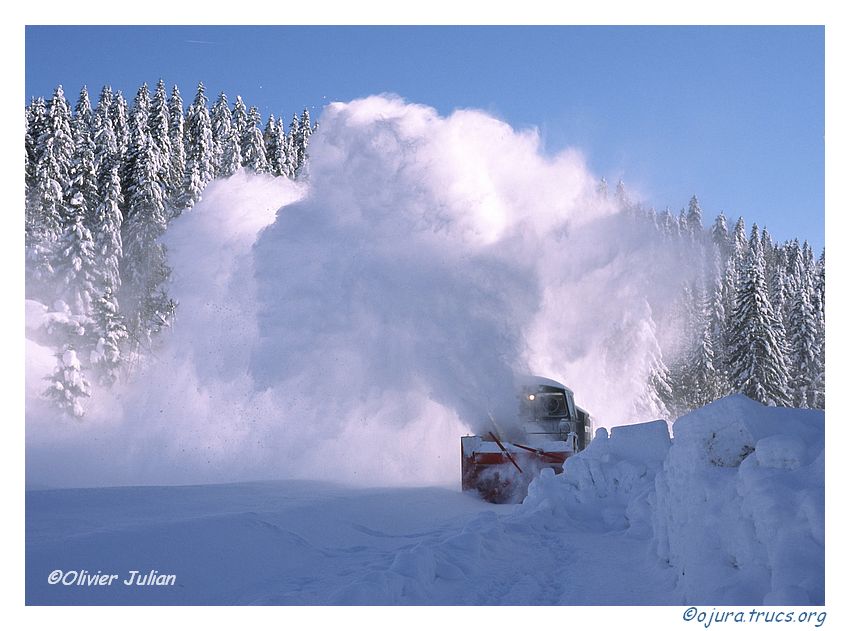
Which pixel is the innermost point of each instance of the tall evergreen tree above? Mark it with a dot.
(694, 219)
(120, 123)
(717, 302)
(739, 241)
(199, 148)
(145, 269)
(83, 114)
(270, 141)
(108, 219)
(239, 120)
(278, 159)
(305, 131)
(36, 117)
(220, 120)
(177, 164)
(75, 262)
(58, 131)
(803, 338)
(758, 361)
(720, 237)
(159, 124)
(82, 193)
(253, 148)
(231, 158)
(106, 153)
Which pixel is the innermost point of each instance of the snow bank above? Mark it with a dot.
(746, 481)
(609, 483)
(735, 504)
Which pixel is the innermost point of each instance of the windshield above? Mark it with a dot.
(551, 404)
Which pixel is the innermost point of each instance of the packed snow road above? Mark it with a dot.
(310, 543)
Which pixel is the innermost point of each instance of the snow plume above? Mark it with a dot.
(380, 313)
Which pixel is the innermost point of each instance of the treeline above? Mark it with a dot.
(101, 186)
(750, 317)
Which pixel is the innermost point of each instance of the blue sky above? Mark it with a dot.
(734, 115)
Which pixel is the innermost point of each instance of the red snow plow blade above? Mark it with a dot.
(501, 471)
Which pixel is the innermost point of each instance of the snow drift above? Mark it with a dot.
(734, 504)
(355, 328)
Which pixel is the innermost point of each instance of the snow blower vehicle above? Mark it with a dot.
(551, 428)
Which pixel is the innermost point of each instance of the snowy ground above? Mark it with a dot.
(730, 512)
(296, 543)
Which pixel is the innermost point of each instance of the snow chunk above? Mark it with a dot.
(781, 452)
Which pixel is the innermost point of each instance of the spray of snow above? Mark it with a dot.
(355, 328)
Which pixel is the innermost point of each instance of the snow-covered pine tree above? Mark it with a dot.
(739, 242)
(705, 378)
(82, 192)
(777, 283)
(120, 123)
(109, 334)
(103, 134)
(159, 124)
(289, 166)
(295, 138)
(107, 233)
(36, 119)
(199, 149)
(685, 314)
(145, 270)
(44, 222)
(177, 165)
(68, 385)
(279, 159)
(794, 267)
(305, 131)
(231, 158)
(58, 131)
(716, 302)
(239, 121)
(253, 148)
(720, 237)
(83, 114)
(75, 259)
(270, 143)
(758, 362)
(803, 343)
(193, 186)
(693, 220)
(220, 121)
